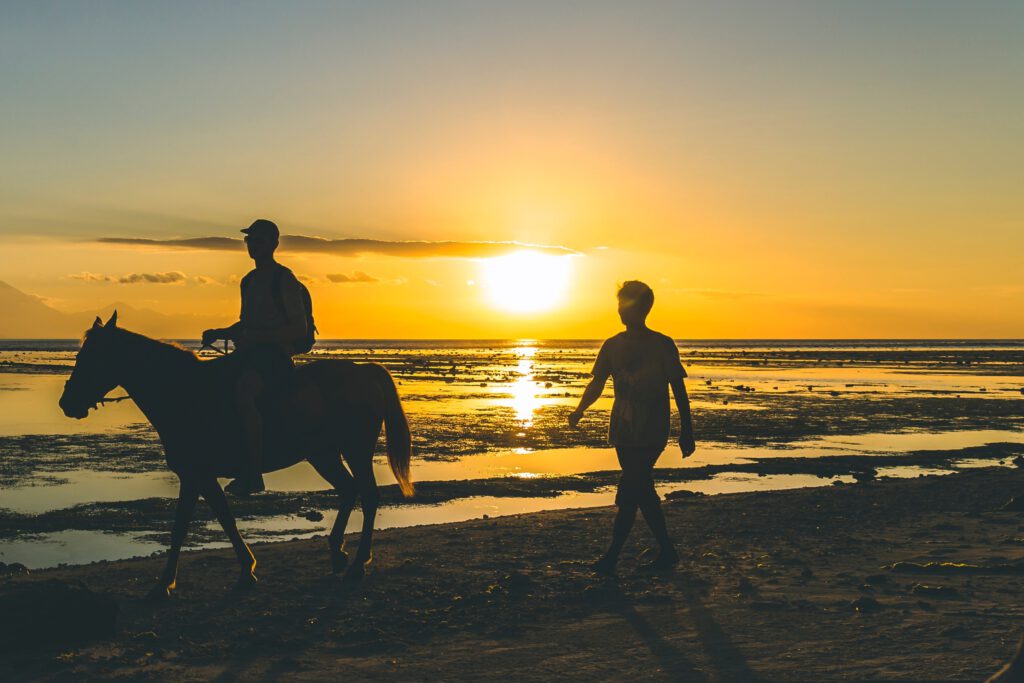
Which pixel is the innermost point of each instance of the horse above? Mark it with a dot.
(327, 411)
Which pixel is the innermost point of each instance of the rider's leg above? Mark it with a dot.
(247, 390)
(214, 496)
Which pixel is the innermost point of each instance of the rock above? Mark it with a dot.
(934, 591)
(865, 475)
(314, 516)
(865, 604)
(682, 495)
(53, 612)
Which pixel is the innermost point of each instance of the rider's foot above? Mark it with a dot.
(245, 486)
(667, 558)
(605, 566)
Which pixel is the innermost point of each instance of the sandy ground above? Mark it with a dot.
(788, 586)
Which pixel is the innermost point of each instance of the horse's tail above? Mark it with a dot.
(397, 436)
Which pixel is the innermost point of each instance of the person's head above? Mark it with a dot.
(261, 238)
(635, 302)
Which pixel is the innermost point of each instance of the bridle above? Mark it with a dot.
(118, 399)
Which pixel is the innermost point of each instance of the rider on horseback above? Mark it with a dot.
(272, 327)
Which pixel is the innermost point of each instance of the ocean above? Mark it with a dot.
(768, 414)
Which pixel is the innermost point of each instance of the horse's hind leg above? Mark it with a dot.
(331, 469)
(214, 495)
(362, 468)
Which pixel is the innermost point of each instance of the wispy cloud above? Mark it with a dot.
(352, 246)
(358, 276)
(204, 280)
(171, 278)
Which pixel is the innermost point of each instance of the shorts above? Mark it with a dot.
(636, 485)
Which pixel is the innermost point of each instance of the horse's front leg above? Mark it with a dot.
(214, 495)
(187, 497)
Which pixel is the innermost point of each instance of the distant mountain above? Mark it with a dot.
(24, 316)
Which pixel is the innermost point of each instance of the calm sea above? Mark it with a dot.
(490, 408)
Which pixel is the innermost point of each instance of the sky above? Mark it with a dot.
(772, 169)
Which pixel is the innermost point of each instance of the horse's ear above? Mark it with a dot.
(97, 323)
(113, 320)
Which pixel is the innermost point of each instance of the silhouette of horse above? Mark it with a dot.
(326, 410)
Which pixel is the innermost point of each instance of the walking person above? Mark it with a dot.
(643, 364)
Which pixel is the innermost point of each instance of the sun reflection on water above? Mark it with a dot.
(524, 389)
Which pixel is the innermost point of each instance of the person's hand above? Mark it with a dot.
(210, 336)
(574, 417)
(687, 444)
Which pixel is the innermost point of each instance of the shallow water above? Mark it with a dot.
(497, 408)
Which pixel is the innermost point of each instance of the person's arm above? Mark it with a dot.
(600, 372)
(590, 395)
(233, 331)
(686, 441)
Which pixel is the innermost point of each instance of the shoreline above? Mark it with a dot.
(785, 586)
(295, 514)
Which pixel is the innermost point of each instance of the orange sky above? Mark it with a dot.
(770, 171)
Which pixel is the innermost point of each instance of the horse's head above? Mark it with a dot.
(93, 375)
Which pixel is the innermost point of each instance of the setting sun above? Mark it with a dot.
(526, 281)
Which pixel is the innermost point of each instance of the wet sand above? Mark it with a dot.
(830, 584)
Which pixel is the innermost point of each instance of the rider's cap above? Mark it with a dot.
(263, 228)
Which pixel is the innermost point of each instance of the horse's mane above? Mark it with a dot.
(169, 352)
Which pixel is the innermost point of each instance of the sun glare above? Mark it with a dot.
(526, 281)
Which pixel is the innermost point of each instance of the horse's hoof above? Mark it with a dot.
(160, 592)
(246, 582)
(355, 573)
(339, 561)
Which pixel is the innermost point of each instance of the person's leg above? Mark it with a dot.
(625, 499)
(247, 391)
(650, 507)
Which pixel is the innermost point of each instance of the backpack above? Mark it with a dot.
(305, 344)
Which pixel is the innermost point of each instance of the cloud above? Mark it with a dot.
(352, 246)
(171, 278)
(205, 280)
(358, 276)
(92, 277)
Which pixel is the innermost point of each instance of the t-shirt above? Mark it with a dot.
(641, 364)
(262, 309)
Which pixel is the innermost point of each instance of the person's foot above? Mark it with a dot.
(605, 566)
(246, 486)
(666, 559)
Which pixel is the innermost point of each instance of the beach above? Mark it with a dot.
(913, 579)
(490, 437)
